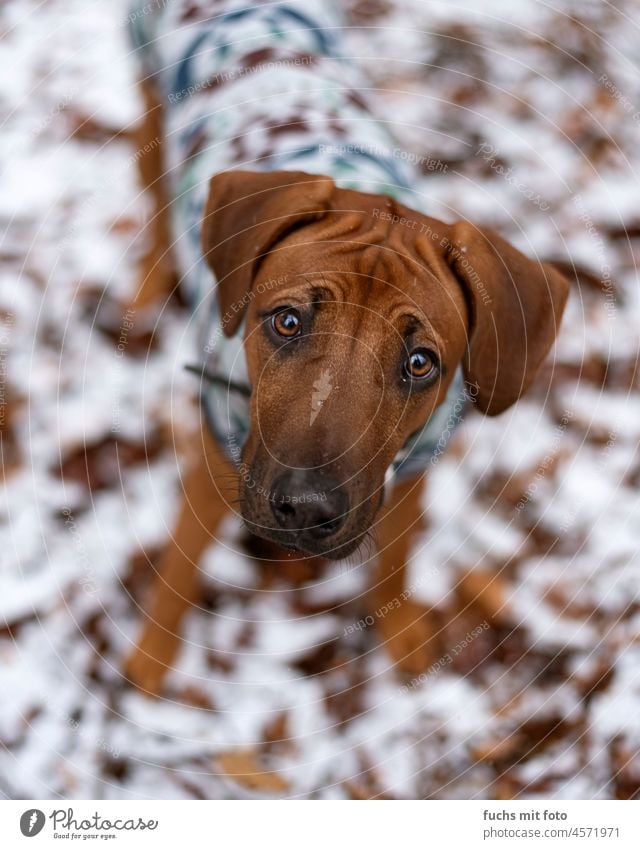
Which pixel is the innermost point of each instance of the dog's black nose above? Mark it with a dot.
(307, 502)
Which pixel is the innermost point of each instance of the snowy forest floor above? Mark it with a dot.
(528, 117)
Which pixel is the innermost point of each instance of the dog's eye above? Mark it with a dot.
(287, 323)
(421, 364)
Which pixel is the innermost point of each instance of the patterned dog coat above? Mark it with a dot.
(263, 87)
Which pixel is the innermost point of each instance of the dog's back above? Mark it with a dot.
(263, 87)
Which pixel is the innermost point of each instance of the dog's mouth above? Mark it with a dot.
(299, 543)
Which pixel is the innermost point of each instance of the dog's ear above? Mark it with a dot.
(515, 305)
(247, 213)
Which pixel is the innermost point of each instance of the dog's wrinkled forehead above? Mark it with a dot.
(355, 258)
(359, 289)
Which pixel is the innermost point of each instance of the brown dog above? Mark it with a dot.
(389, 304)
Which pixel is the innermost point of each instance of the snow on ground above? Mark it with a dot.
(527, 116)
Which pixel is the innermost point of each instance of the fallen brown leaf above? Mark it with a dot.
(488, 592)
(244, 767)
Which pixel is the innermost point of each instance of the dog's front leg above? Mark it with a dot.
(210, 485)
(404, 625)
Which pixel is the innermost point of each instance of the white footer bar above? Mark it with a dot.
(321, 825)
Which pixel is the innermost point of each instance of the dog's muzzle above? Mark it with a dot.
(308, 507)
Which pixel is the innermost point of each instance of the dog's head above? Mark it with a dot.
(358, 312)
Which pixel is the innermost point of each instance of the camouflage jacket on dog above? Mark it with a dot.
(263, 86)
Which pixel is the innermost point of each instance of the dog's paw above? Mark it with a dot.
(408, 636)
